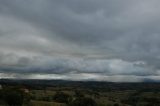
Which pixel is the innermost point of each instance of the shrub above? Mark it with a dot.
(13, 97)
(83, 101)
(61, 97)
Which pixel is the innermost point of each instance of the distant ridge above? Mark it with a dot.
(147, 85)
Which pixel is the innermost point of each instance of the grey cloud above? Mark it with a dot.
(57, 65)
(80, 36)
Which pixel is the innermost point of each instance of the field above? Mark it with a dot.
(72, 93)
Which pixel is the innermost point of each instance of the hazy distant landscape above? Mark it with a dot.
(77, 93)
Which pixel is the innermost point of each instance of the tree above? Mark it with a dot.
(78, 94)
(61, 97)
(116, 104)
(13, 97)
(83, 101)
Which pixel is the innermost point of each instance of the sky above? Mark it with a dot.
(100, 40)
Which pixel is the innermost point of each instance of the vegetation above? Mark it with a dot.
(62, 97)
(13, 96)
(83, 101)
(66, 93)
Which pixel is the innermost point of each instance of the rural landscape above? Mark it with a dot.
(79, 52)
(77, 93)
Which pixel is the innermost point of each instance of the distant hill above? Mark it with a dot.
(96, 85)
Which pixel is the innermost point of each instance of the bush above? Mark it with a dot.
(116, 104)
(78, 94)
(61, 97)
(83, 101)
(13, 97)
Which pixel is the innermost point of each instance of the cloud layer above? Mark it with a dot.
(80, 39)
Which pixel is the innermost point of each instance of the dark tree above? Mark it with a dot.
(78, 94)
(13, 97)
(61, 97)
(83, 101)
(116, 104)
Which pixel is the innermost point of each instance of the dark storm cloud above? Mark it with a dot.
(80, 37)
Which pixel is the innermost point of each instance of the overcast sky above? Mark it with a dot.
(104, 40)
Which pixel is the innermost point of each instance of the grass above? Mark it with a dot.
(45, 103)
